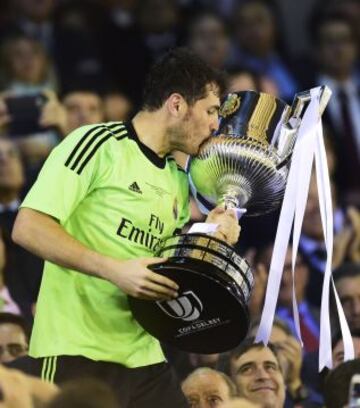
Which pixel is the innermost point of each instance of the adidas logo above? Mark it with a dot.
(135, 188)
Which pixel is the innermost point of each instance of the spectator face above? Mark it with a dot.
(117, 107)
(209, 40)
(197, 124)
(338, 351)
(11, 169)
(26, 61)
(254, 28)
(82, 108)
(206, 390)
(349, 292)
(13, 342)
(259, 378)
(337, 49)
(278, 338)
(350, 9)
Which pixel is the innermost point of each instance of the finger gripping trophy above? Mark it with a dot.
(244, 167)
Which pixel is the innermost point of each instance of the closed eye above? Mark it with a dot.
(213, 110)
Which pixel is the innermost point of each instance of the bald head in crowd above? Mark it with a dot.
(208, 388)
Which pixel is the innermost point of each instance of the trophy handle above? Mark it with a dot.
(302, 100)
(298, 109)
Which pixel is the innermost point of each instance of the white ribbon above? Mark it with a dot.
(304, 169)
(309, 145)
(326, 212)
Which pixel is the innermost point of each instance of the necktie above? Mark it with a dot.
(310, 340)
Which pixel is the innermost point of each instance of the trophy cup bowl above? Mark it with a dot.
(244, 166)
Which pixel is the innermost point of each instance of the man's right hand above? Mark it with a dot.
(136, 279)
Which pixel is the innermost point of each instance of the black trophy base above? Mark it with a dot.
(209, 316)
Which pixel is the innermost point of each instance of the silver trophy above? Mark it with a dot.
(247, 163)
(245, 166)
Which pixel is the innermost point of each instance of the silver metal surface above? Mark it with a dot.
(214, 252)
(247, 163)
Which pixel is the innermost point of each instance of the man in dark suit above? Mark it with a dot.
(336, 56)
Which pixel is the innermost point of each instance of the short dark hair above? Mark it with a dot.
(347, 270)
(181, 71)
(280, 323)
(336, 389)
(249, 344)
(10, 318)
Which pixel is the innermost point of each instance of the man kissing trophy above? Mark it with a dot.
(243, 167)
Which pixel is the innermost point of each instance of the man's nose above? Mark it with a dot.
(6, 357)
(261, 373)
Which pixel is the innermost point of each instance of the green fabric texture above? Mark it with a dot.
(105, 189)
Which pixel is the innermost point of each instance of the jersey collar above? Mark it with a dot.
(150, 154)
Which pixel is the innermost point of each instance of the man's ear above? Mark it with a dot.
(176, 105)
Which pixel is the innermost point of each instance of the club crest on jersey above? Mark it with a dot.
(175, 209)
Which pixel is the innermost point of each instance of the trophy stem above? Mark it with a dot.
(232, 196)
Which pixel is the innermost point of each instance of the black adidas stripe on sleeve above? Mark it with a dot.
(91, 142)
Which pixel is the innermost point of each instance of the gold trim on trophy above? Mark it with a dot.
(261, 118)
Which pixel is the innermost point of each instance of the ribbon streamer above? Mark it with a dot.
(309, 145)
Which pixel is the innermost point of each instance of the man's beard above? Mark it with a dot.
(178, 135)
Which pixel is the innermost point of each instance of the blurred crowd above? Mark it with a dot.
(77, 62)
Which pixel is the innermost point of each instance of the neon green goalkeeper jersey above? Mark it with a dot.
(117, 197)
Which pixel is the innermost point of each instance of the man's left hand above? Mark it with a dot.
(228, 228)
